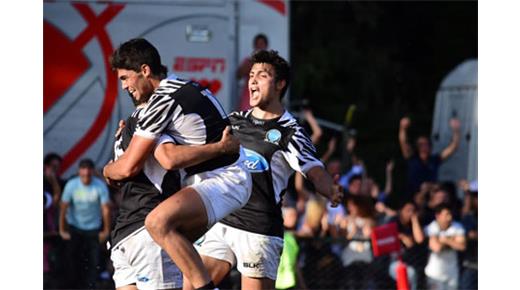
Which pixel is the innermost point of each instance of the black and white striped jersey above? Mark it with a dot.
(142, 192)
(188, 113)
(274, 150)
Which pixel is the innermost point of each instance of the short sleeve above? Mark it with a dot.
(67, 191)
(432, 229)
(165, 138)
(301, 153)
(458, 229)
(156, 116)
(103, 192)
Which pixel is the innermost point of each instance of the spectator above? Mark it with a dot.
(410, 235)
(52, 183)
(317, 256)
(314, 222)
(469, 277)
(334, 214)
(49, 233)
(437, 197)
(357, 228)
(446, 237)
(304, 188)
(422, 165)
(260, 42)
(85, 211)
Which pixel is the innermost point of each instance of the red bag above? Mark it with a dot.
(385, 239)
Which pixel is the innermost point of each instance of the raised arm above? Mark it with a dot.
(172, 156)
(315, 127)
(450, 149)
(417, 231)
(406, 150)
(388, 180)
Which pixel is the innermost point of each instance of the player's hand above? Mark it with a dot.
(405, 123)
(337, 192)
(229, 144)
(454, 124)
(103, 235)
(120, 129)
(65, 235)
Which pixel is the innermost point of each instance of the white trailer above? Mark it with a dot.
(457, 97)
(198, 40)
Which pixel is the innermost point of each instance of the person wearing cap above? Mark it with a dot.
(84, 223)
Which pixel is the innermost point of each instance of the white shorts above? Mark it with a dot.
(256, 255)
(137, 259)
(222, 190)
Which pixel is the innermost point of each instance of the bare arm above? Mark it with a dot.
(172, 156)
(325, 185)
(450, 149)
(105, 212)
(417, 232)
(406, 150)
(302, 193)
(315, 127)
(457, 243)
(435, 244)
(132, 161)
(64, 233)
(388, 180)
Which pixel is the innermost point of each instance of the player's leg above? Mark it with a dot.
(174, 224)
(257, 283)
(218, 269)
(258, 258)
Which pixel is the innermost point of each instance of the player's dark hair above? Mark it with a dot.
(280, 65)
(132, 54)
(261, 36)
(354, 178)
(50, 157)
(441, 207)
(86, 163)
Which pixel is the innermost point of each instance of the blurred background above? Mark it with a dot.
(369, 80)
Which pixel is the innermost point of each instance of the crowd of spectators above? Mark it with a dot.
(325, 247)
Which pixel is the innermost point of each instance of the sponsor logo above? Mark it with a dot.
(255, 162)
(142, 278)
(252, 265)
(273, 136)
(200, 240)
(386, 241)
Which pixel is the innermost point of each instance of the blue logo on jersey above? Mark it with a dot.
(142, 278)
(273, 136)
(255, 162)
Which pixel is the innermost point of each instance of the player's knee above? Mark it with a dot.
(159, 224)
(155, 224)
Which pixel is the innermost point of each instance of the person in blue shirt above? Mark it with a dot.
(84, 223)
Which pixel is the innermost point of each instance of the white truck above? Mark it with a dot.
(199, 40)
(458, 97)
